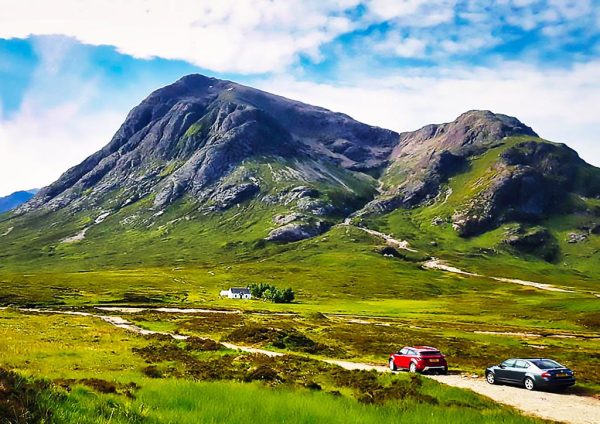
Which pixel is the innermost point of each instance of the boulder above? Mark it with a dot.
(296, 232)
(576, 237)
(233, 194)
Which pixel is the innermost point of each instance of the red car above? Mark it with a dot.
(419, 359)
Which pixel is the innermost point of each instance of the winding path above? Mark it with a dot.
(437, 264)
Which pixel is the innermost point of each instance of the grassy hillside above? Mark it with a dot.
(576, 264)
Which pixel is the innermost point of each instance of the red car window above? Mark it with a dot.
(430, 353)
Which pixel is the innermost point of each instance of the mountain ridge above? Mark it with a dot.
(14, 200)
(202, 146)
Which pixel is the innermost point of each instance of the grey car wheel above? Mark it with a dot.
(529, 384)
(413, 367)
(392, 365)
(490, 378)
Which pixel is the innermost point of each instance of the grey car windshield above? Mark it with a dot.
(546, 364)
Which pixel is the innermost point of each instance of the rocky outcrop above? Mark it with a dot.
(576, 238)
(286, 219)
(231, 195)
(468, 133)
(317, 207)
(531, 181)
(537, 241)
(297, 231)
(425, 159)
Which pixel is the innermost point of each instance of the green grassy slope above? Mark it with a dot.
(577, 264)
(82, 370)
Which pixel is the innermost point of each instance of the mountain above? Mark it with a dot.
(527, 180)
(15, 199)
(215, 170)
(211, 140)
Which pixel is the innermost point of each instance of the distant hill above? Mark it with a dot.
(15, 199)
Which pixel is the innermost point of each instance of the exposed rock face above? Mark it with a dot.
(185, 138)
(576, 238)
(230, 195)
(315, 207)
(474, 128)
(537, 241)
(424, 159)
(296, 232)
(299, 192)
(286, 219)
(533, 180)
(219, 144)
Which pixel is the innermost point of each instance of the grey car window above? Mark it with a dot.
(546, 364)
(521, 364)
(509, 363)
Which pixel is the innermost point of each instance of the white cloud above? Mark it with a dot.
(561, 105)
(58, 123)
(38, 145)
(417, 13)
(397, 45)
(260, 36)
(228, 35)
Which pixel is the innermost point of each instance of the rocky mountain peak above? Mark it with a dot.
(469, 132)
(219, 144)
(186, 137)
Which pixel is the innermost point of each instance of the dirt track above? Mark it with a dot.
(566, 408)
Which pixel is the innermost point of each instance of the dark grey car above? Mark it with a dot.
(531, 373)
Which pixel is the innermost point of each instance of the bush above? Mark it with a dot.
(271, 293)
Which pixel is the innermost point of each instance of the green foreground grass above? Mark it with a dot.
(179, 401)
(82, 370)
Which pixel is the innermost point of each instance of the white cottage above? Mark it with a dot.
(236, 293)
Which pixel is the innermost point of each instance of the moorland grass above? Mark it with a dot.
(79, 370)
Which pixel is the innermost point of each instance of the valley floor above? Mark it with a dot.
(109, 356)
(569, 408)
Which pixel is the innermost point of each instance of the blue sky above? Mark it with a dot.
(70, 70)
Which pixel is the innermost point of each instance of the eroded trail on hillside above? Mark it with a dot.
(566, 408)
(400, 244)
(437, 264)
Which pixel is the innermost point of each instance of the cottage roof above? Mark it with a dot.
(240, 290)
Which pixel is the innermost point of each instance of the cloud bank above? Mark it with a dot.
(258, 36)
